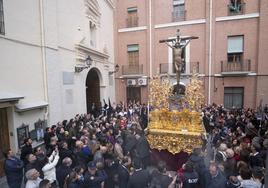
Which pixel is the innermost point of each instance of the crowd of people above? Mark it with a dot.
(108, 149)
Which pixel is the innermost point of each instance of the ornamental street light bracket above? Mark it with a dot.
(116, 69)
(80, 67)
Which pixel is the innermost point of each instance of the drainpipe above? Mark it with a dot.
(150, 37)
(150, 53)
(43, 52)
(210, 52)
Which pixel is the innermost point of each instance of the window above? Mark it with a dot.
(2, 23)
(178, 13)
(233, 97)
(133, 54)
(236, 7)
(235, 49)
(132, 20)
(93, 31)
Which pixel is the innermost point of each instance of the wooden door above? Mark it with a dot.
(4, 138)
(133, 94)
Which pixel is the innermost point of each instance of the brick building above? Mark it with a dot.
(230, 54)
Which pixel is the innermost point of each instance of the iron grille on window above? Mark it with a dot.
(2, 24)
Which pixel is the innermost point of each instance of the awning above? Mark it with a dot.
(30, 106)
(9, 97)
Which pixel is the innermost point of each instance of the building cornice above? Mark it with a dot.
(110, 3)
(91, 51)
(238, 17)
(132, 29)
(175, 24)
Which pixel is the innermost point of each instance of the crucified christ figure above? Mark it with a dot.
(177, 45)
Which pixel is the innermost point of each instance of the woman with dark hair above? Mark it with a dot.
(71, 181)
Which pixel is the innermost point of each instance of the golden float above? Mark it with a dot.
(175, 130)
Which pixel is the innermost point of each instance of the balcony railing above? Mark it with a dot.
(232, 67)
(170, 68)
(178, 16)
(132, 21)
(236, 8)
(132, 69)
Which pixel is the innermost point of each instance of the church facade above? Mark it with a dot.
(54, 54)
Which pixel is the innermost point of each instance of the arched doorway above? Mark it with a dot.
(92, 90)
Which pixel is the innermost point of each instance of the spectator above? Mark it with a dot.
(247, 182)
(33, 179)
(72, 180)
(13, 169)
(49, 167)
(139, 178)
(26, 150)
(63, 170)
(44, 184)
(215, 178)
(94, 177)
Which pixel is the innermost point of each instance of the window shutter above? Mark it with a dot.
(236, 44)
(133, 48)
(178, 2)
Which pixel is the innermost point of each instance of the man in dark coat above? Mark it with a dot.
(64, 151)
(129, 141)
(63, 170)
(26, 149)
(159, 177)
(142, 149)
(255, 159)
(215, 178)
(94, 178)
(33, 163)
(123, 173)
(14, 169)
(140, 178)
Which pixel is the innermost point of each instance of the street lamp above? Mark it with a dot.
(80, 67)
(116, 69)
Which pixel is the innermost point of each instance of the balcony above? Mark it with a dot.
(132, 69)
(236, 8)
(179, 16)
(167, 68)
(236, 68)
(132, 21)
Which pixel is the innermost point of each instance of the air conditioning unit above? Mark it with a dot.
(142, 81)
(131, 82)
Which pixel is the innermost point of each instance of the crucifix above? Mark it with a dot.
(178, 44)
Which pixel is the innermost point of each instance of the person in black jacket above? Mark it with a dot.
(13, 169)
(72, 180)
(94, 178)
(215, 178)
(190, 177)
(123, 172)
(255, 159)
(26, 149)
(64, 152)
(142, 149)
(33, 163)
(63, 170)
(139, 178)
(160, 179)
